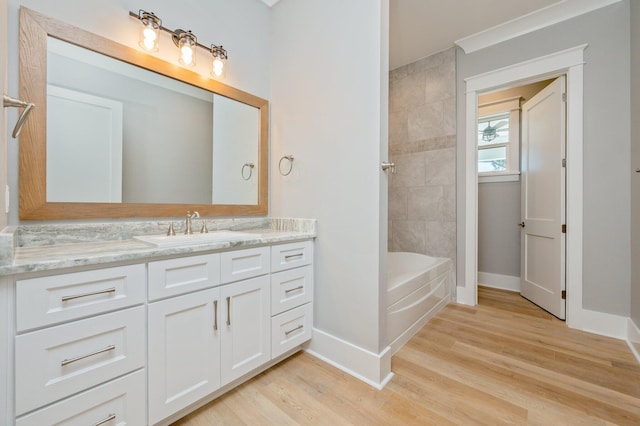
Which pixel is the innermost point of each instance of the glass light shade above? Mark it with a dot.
(149, 34)
(187, 47)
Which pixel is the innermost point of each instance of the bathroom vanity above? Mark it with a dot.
(114, 332)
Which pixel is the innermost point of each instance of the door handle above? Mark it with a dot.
(521, 224)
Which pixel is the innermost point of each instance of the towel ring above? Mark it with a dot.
(250, 166)
(290, 159)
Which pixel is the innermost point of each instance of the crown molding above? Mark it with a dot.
(270, 2)
(530, 22)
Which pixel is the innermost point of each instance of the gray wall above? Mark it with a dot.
(606, 237)
(422, 145)
(635, 162)
(498, 233)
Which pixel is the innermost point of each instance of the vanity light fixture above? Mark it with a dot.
(186, 42)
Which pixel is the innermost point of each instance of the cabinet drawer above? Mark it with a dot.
(54, 363)
(120, 402)
(291, 288)
(287, 256)
(291, 329)
(59, 298)
(183, 275)
(242, 264)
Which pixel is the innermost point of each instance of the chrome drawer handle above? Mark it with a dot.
(286, 333)
(215, 315)
(293, 256)
(78, 358)
(300, 287)
(78, 296)
(105, 420)
(228, 311)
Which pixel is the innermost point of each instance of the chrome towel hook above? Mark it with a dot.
(388, 166)
(250, 166)
(8, 101)
(288, 158)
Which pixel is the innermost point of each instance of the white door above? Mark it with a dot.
(246, 327)
(184, 351)
(543, 199)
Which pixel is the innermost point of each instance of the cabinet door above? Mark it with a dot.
(184, 351)
(246, 328)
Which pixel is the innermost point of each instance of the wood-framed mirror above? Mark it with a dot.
(59, 180)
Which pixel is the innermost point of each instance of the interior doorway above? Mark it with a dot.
(521, 192)
(569, 62)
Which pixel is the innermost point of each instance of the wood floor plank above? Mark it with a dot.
(504, 361)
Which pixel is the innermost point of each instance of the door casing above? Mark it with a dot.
(571, 63)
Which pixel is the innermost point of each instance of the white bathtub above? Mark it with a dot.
(417, 287)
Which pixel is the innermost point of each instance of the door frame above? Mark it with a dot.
(569, 62)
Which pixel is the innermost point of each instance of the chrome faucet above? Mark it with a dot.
(188, 230)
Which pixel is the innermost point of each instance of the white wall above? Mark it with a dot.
(242, 26)
(4, 132)
(635, 162)
(606, 237)
(329, 102)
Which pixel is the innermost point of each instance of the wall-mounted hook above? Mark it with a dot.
(288, 158)
(8, 101)
(388, 166)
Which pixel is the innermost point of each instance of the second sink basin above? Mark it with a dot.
(196, 238)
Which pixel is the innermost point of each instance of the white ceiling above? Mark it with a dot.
(419, 28)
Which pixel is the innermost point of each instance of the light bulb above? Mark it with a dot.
(149, 33)
(187, 46)
(218, 66)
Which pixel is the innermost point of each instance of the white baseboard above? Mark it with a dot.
(466, 295)
(602, 323)
(502, 282)
(373, 369)
(633, 338)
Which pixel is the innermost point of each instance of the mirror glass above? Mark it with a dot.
(127, 134)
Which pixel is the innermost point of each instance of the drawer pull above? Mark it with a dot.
(78, 296)
(105, 420)
(78, 358)
(215, 315)
(293, 256)
(228, 311)
(300, 287)
(286, 333)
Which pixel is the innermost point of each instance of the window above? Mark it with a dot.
(499, 140)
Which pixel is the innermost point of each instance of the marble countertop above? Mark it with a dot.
(31, 255)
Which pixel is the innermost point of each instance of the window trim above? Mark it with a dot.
(512, 106)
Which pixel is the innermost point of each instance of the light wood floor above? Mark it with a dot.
(505, 361)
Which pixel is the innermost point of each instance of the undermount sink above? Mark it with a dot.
(196, 238)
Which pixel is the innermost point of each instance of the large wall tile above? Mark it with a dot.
(425, 203)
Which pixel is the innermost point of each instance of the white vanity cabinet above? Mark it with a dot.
(184, 351)
(72, 360)
(145, 343)
(246, 335)
(184, 336)
(291, 296)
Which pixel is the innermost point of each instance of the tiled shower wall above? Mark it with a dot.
(422, 140)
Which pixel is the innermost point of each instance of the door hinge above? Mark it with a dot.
(564, 162)
(564, 97)
(564, 294)
(564, 229)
